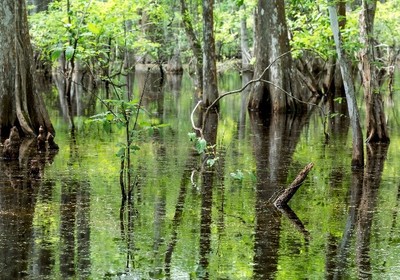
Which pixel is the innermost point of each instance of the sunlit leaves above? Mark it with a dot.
(69, 52)
(94, 28)
(200, 143)
(238, 175)
(56, 53)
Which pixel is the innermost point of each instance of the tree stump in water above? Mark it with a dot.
(11, 145)
(41, 140)
(50, 141)
(288, 193)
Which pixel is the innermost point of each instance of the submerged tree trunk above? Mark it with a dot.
(20, 105)
(358, 152)
(376, 121)
(289, 192)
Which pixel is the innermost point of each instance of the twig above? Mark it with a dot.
(248, 83)
(141, 99)
(200, 130)
(260, 79)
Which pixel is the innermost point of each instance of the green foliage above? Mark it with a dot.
(238, 175)
(309, 24)
(99, 27)
(387, 22)
(212, 161)
(200, 143)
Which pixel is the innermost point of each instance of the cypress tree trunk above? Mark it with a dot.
(260, 98)
(195, 46)
(20, 104)
(272, 48)
(210, 87)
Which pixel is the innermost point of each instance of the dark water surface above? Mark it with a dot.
(188, 220)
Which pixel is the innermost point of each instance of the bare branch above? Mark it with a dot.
(192, 119)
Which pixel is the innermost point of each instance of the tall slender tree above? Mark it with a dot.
(210, 87)
(358, 147)
(20, 104)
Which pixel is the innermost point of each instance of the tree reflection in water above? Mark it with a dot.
(274, 143)
(19, 188)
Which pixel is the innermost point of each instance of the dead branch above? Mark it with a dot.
(284, 198)
(200, 130)
(249, 82)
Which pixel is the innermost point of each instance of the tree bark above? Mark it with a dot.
(20, 105)
(40, 5)
(210, 87)
(376, 120)
(195, 46)
(260, 97)
(272, 47)
(244, 45)
(358, 152)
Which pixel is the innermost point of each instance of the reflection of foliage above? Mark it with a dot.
(125, 114)
(45, 224)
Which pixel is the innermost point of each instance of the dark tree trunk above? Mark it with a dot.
(195, 45)
(20, 105)
(272, 47)
(244, 45)
(39, 5)
(210, 87)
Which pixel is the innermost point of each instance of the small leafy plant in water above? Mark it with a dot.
(125, 114)
(200, 144)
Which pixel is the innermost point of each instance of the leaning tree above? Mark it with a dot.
(20, 104)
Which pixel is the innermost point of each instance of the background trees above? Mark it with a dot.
(301, 51)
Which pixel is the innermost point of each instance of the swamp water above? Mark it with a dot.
(190, 221)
